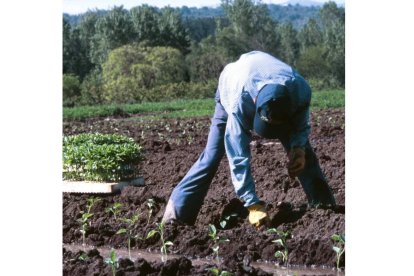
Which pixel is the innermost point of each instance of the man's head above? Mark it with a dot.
(273, 109)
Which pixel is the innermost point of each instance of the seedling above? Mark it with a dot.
(226, 219)
(114, 209)
(84, 220)
(112, 261)
(283, 237)
(151, 204)
(217, 272)
(160, 231)
(339, 248)
(83, 257)
(212, 232)
(128, 231)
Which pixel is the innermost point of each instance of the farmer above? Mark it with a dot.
(256, 93)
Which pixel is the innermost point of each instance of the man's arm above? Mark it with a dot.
(237, 144)
(301, 129)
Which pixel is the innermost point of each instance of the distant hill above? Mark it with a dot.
(297, 14)
(309, 3)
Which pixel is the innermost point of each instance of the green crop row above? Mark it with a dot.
(185, 108)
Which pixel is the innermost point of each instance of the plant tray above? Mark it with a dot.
(98, 187)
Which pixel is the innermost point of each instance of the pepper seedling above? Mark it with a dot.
(112, 261)
(218, 272)
(151, 205)
(226, 219)
(339, 248)
(283, 237)
(212, 232)
(114, 209)
(84, 220)
(160, 231)
(128, 231)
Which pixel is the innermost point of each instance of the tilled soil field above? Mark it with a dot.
(171, 146)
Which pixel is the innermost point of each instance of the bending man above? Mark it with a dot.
(256, 93)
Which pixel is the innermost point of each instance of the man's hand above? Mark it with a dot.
(296, 162)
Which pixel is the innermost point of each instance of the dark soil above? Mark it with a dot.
(171, 146)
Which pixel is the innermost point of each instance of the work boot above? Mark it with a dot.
(257, 214)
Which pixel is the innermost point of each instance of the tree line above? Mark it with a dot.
(150, 54)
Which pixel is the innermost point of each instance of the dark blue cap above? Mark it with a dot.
(272, 104)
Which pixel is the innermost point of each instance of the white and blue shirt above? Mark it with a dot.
(239, 85)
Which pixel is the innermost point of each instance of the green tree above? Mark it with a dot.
(311, 34)
(112, 31)
(333, 26)
(202, 54)
(145, 22)
(312, 64)
(71, 90)
(91, 89)
(132, 70)
(289, 43)
(87, 30)
(250, 26)
(172, 30)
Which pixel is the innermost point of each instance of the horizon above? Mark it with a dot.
(74, 7)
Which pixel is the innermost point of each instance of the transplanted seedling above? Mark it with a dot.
(114, 209)
(160, 231)
(339, 247)
(226, 219)
(128, 231)
(112, 261)
(283, 237)
(84, 220)
(151, 205)
(212, 232)
(218, 272)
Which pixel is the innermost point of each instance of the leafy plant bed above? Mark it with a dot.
(170, 147)
(100, 157)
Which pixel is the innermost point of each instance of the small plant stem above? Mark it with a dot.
(129, 248)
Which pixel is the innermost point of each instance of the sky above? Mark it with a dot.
(80, 6)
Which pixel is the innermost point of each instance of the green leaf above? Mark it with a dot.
(279, 241)
(225, 273)
(151, 233)
(279, 254)
(214, 270)
(113, 255)
(335, 237)
(223, 239)
(336, 249)
(216, 248)
(121, 231)
(223, 224)
(272, 231)
(212, 230)
(168, 243)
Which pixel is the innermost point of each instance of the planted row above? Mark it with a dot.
(131, 231)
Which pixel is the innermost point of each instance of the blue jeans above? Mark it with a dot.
(188, 196)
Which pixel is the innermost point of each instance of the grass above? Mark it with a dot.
(186, 108)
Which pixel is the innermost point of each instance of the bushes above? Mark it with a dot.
(71, 90)
(100, 157)
(91, 89)
(132, 71)
(182, 90)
